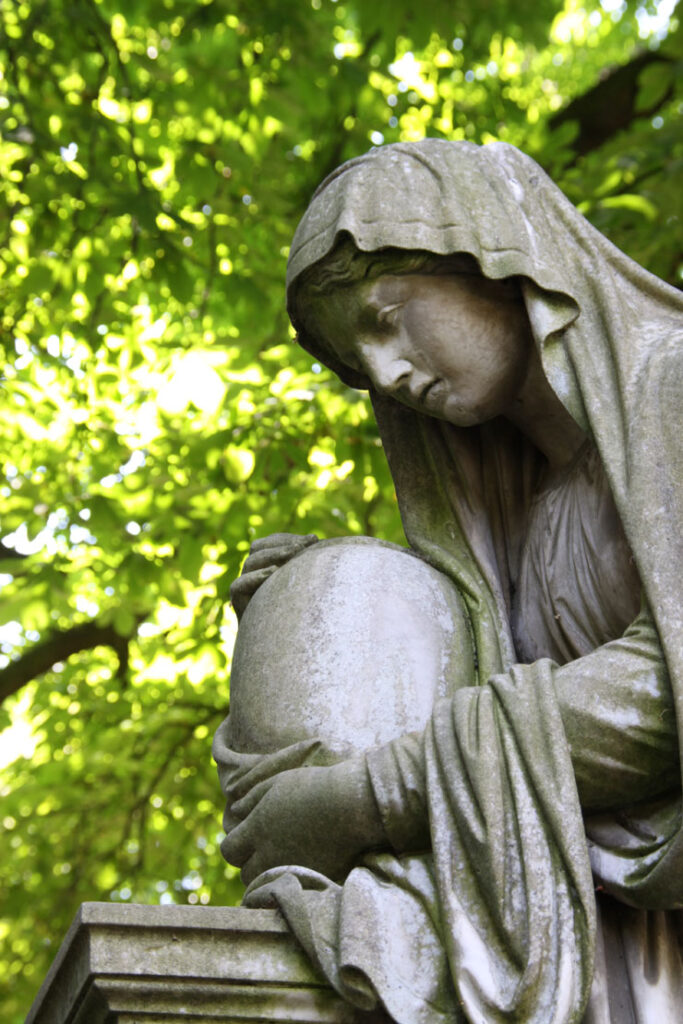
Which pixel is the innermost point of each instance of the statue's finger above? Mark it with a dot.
(244, 588)
(271, 556)
(241, 808)
(274, 540)
(237, 847)
(269, 765)
(230, 820)
(249, 582)
(232, 764)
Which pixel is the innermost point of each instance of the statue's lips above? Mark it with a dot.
(428, 389)
(417, 395)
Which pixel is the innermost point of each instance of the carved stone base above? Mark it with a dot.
(133, 964)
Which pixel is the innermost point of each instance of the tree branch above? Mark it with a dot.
(610, 105)
(58, 647)
(7, 553)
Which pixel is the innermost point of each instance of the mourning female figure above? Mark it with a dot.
(518, 856)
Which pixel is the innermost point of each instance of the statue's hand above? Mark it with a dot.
(265, 556)
(319, 818)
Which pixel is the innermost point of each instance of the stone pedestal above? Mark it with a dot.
(132, 964)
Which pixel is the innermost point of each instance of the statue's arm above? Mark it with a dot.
(617, 710)
(618, 713)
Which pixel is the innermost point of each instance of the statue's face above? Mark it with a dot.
(455, 347)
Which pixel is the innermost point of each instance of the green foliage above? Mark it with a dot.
(155, 159)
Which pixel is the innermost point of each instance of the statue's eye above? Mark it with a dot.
(389, 315)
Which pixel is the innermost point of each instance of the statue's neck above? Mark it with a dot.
(540, 415)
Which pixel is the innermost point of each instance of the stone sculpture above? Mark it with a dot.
(518, 855)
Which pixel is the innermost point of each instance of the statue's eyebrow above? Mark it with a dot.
(369, 315)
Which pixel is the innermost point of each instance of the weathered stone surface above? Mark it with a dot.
(129, 964)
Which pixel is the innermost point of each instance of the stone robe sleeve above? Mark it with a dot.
(617, 711)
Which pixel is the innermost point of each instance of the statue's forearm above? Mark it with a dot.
(617, 710)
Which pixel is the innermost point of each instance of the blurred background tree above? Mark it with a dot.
(156, 156)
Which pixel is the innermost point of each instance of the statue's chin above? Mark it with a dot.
(351, 642)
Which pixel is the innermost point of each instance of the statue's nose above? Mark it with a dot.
(387, 369)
